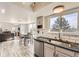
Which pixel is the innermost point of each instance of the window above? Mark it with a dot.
(68, 24)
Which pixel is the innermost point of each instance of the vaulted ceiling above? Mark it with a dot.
(32, 5)
(25, 11)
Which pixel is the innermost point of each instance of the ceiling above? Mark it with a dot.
(19, 11)
(14, 13)
(32, 5)
(24, 11)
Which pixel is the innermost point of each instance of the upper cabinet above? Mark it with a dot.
(40, 22)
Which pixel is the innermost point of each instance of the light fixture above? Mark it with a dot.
(58, 9)
(2, 11)
(34, 3)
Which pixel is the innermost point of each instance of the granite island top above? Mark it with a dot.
(58, 43)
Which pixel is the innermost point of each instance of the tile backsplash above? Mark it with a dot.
(72, 37)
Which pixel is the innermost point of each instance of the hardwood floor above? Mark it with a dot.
(16, 48)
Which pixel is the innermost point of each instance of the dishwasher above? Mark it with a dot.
(38, 48)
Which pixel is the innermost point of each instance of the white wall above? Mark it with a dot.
(48, 10)
(7, 26)
(24, 28)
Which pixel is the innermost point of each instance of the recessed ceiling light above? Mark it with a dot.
(3, 11)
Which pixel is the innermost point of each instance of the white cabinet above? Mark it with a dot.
(48, 50)
(40, 20)
(60, 54)
(39, 24)
(44, 21)
(53, 51)
(38, 48)
(63, 52)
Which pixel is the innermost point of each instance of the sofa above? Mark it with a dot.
(6, 35)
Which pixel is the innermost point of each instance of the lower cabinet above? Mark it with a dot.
(60, 52)
(52, 51)
(48, 50)
(76, 54)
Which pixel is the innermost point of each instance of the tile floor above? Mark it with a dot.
(16, 48)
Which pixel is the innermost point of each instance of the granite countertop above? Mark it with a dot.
(57, 43)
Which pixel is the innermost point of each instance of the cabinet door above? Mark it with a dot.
(59, 54)
(76, 54)
(48, 50)
(64, 51)
(40, 20)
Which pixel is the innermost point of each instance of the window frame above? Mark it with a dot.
(64, 15)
